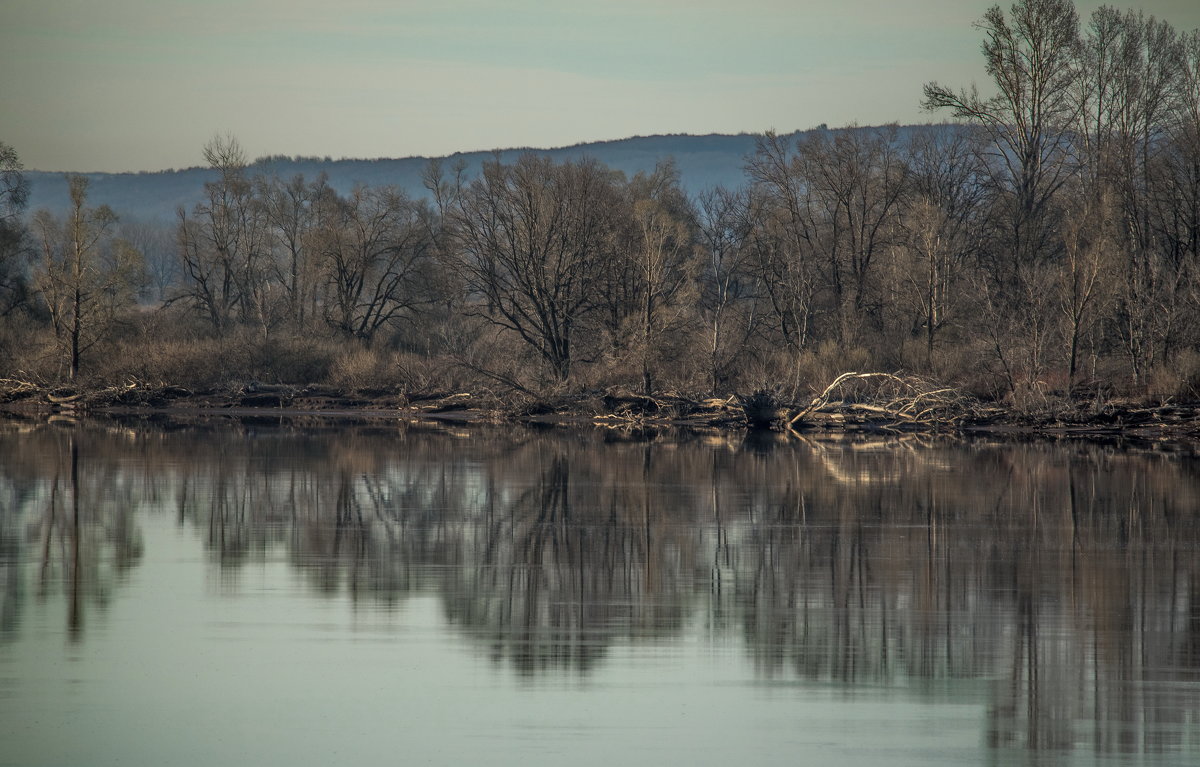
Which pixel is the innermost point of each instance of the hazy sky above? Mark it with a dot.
(142, 84)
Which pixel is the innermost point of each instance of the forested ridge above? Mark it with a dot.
(1042, 249)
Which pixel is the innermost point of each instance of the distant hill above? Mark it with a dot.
(703, 162)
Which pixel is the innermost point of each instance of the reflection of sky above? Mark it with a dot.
(142, 84)
(180, 671)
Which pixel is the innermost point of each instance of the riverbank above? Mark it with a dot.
(854, 403)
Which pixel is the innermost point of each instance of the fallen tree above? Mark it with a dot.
(889, 401)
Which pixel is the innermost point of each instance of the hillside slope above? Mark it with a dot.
(703, 161)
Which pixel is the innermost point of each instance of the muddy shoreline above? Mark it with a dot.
(618, 410)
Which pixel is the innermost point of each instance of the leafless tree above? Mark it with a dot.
(532, 240)
(781, 239)
(1083, 278)
(289, 207)
(938, 229)
(836, 200)
(1132, 102)
(223, 244)
(156, 241)
(14, 196)
(84, 278)
(666, 265)
(1032, 57)
(728, 297)
(374, 248)
(645, 296)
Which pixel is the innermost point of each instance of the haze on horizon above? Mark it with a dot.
(126, 85)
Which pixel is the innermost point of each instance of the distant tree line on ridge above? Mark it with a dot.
(1046, 244)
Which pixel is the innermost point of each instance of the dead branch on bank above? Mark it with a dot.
(16, 388)
(620, 408)
(63, 399)
(885, 401)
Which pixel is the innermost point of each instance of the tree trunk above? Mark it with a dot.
(76, 330)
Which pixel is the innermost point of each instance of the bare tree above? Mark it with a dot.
(664, 256)
(927, 264)
(855, 184)
(84, 278)
(157, 242)
(532, 239)
(644, 297)
(728, 293)
(938, 228)
(781, 239)
(14, 196)
(1180, 216)
(222, 245)
(291, 220)
(1132, 94)
(836, 200)
(375, 250)
(1032, 57)
(1083, 277)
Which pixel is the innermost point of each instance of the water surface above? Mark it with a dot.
(270, 594)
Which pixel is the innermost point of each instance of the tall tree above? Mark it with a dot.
(14, 196)
(1130, 91)
(664, 260)
(834, 200)
(1083, 279)
(728, 292)
(780, 239)
(938, 230)
(374, 248)
(85, 279)
(1032, 57)
(855, 183)
(156, 240)
(291, 220)
(532, 240)
(222, 244)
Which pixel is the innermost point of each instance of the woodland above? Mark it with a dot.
(1041, 251)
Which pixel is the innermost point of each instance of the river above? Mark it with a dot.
(256, 592)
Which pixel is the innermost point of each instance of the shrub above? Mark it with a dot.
(362, 367)
(1178, 379)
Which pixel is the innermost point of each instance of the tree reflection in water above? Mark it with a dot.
(558, 570)
(67, 524)
(1065, 578)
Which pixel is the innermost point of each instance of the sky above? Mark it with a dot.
(129, 85)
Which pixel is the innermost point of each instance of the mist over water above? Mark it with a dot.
(271, 594)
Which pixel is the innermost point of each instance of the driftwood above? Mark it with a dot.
(887, 401)
(14, 389)
(620, 408)
(18, 386)
(63, 399)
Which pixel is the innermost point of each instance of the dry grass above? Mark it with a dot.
(1178, 380)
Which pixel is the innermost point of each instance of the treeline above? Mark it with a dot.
(1046, 245)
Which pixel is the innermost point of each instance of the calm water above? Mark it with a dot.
(262, 594)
